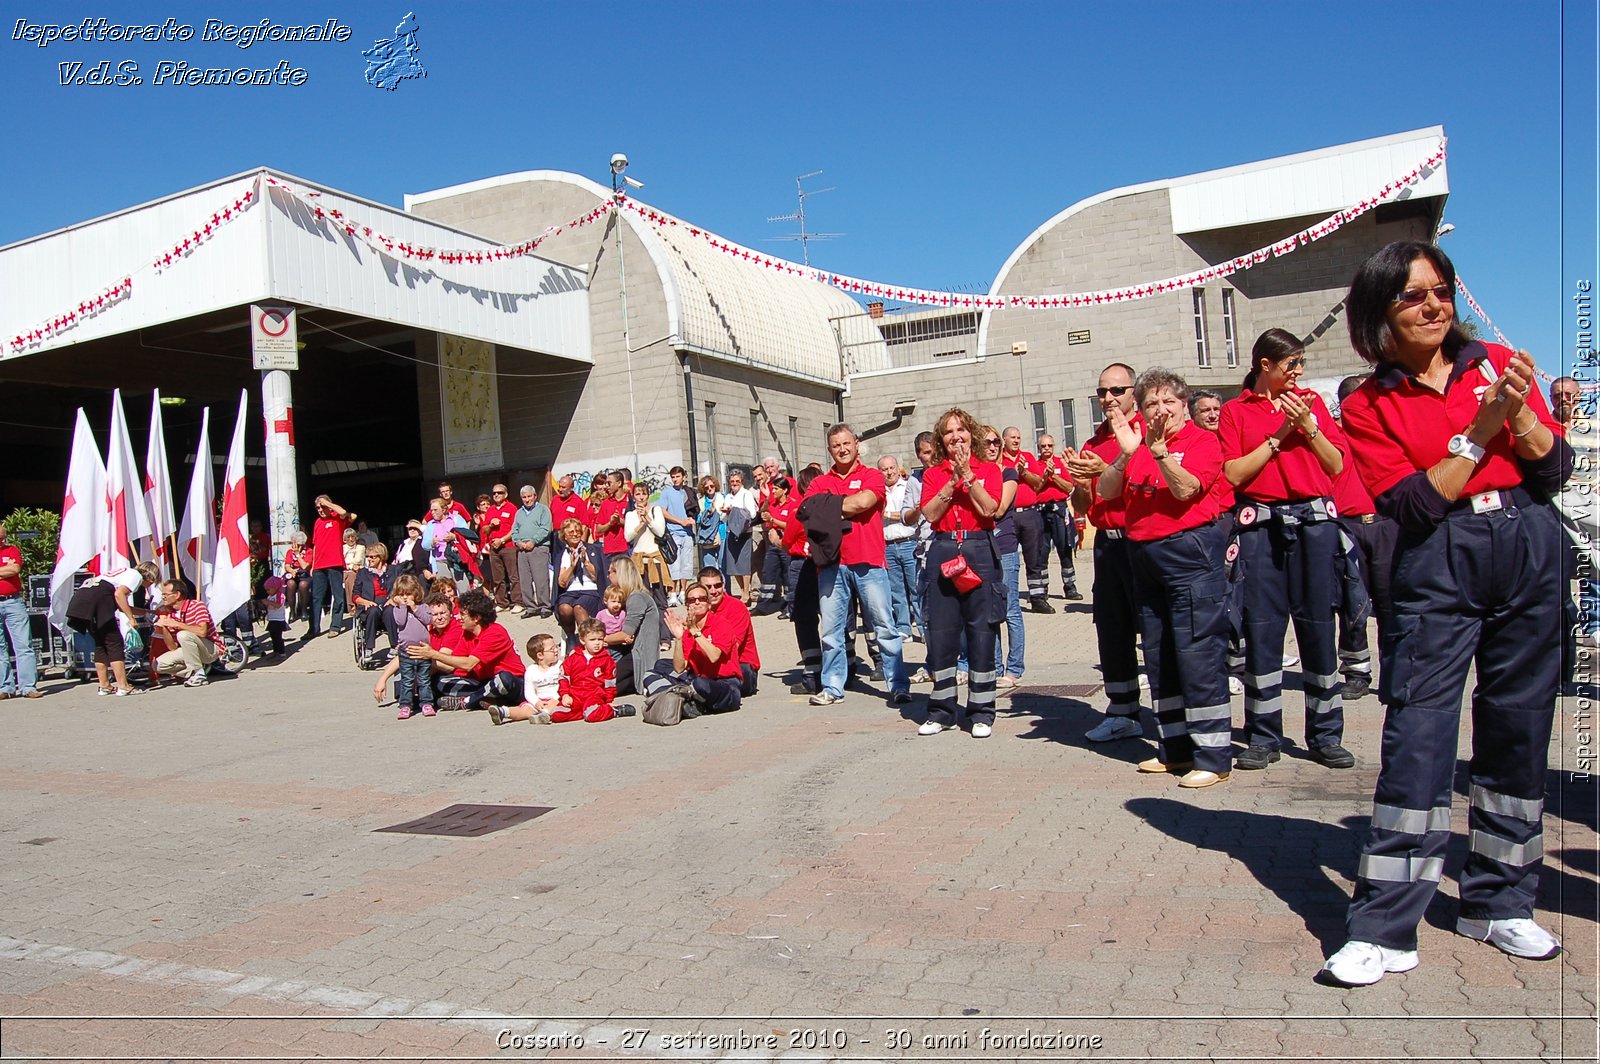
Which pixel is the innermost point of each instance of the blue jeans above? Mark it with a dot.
(327, 585)
(837, 588)
(900, 559)
(413, 685)
(14, 615)
(1016, 640)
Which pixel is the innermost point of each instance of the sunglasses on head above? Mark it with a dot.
(1117, 391)
(1413, 296)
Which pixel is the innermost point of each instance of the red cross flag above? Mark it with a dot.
(230, 573)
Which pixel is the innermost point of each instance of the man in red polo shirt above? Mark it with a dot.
(327, 565)
(451, 503)
(1116, 613)
(610, 517)
(728, 624)
(568, 503)
(14, 618)
(859, 573)
(499, 551)
(1060, 530)
(486, 668)
(1027, 516)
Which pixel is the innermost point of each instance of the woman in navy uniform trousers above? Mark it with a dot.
(960, 496)
(1281, 449)
(1170, 476)
(1456, 444)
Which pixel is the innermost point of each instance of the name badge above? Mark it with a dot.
(855, 485)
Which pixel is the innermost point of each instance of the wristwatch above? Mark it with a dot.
(1461, 446)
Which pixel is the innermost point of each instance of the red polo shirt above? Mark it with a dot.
(1057, 466)
(1294, 473)
(1397, 426)
(959, 515)
(1023, 462)
(327, 542)
(10, 554)
(499, 521)
(1350, 496)
(795, 540)
(729, 624)
(495, 653)
(450, 641)
(572, 506)
(863, 540)
(616, 540)
(726, 667)
(1153, 511)
(1108, 513)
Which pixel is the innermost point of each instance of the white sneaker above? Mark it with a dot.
(1519, 937)
(982, 731)
(930, 727)
(1290, 661)
(1363, 963)
(1235, 685)
(1113, 728)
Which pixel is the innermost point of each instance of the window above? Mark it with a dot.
(1069, 427)
(755, 436)
(794, 443)
(711, 438)
(1202, 348)
(1039, 425)
(1230, 329)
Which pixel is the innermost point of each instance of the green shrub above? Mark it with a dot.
(38, 550)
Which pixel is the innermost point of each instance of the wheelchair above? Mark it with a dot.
(369, 654)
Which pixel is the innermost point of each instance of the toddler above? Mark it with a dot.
(613, 617)
(541, 686)
(408, 621)
(589, 680)
(277, 611)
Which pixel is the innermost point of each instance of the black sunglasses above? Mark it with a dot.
(1118, 391)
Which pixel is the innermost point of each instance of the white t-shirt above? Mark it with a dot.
(542, 685)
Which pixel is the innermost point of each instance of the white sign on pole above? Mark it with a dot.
(274, 338)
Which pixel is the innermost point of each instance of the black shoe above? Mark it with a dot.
(1042, 605)
(1334, 756)
(876, 673)
(1073, 596)
(526, 614)
(1359, 685)
(625, 709)
(450, 703)
(1256, 757)
(807, 686)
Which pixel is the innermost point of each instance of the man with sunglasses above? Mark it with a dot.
(1116, 614)
(500, 551)
(1061, 531)
(728, 624)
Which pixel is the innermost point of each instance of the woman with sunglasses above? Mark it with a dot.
(1281, 450)
(961, 494)
(1456, 445)
(1169, 476)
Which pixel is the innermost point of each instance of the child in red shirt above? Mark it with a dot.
(589, 680)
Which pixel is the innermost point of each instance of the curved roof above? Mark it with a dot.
(721, 307)
(1289, 186)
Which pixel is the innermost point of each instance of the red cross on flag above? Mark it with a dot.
(82, 518)
(230, 573)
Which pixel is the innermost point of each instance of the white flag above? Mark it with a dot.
(130, 521)
(158, 487)
(197, 534)
(82, 518)
(230, 573)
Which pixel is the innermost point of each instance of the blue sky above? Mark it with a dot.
(951, 130)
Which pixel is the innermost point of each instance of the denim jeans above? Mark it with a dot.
(837, 587)
(413, 685)
(900, 559)
(1015, 639)
(327, 585)
(14, 615)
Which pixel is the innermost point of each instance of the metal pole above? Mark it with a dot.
(283, 489)
(688, 398)
(622, 288)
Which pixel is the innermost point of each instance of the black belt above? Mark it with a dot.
(1490, 501)
(1112, 533)
(966, 533)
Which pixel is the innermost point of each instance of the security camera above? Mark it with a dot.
(631, 183)
(619, 163)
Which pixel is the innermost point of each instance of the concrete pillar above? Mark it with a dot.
(283, 486)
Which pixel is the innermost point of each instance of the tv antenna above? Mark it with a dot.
(799, 216)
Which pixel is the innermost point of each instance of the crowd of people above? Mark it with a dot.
(1425, 502)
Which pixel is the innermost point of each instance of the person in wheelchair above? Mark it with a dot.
(372, 586)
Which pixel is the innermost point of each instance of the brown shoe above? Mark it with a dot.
(35, 693)
(1201, 778)
(1155, 764)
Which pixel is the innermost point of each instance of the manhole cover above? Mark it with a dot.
(469, 820)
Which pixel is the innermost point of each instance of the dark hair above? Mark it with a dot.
(807, 475)
(677, 471)
(1348, 386)
(1377, 282)
(1152, 379)
(478, 603)
(1273, 346)
(922, 438)
(709, 570)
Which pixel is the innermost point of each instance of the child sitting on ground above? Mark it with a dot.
(541, 686)
(589, 680)
(407, 621)
(613, 617)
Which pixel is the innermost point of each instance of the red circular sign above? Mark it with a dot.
(280, 317)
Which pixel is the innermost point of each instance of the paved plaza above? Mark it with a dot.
(197, 875)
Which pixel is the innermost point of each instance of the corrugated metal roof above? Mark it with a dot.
(719, 306)
(278, 250)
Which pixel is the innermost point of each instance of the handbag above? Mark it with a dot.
(667, 544)
(961, 575)
(664, 707)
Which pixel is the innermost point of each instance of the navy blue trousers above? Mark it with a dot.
(1484, 590)
(976, 616)
(1182, 592)
(1116, 623)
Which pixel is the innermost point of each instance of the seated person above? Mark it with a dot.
(373, 584)
(731, 620)
(589, 680)
(541, 685)
(486, 668)
(705, 665)
(184, 626)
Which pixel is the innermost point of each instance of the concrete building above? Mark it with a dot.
(1141, 233)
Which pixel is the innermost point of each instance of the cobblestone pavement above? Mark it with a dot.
(195, 874)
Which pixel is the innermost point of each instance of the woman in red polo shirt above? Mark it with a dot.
(1281, 449)
(960, 496)
(1170, 478)
(1456, 444)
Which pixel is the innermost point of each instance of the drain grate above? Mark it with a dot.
(469, 821)
(1073, 690)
